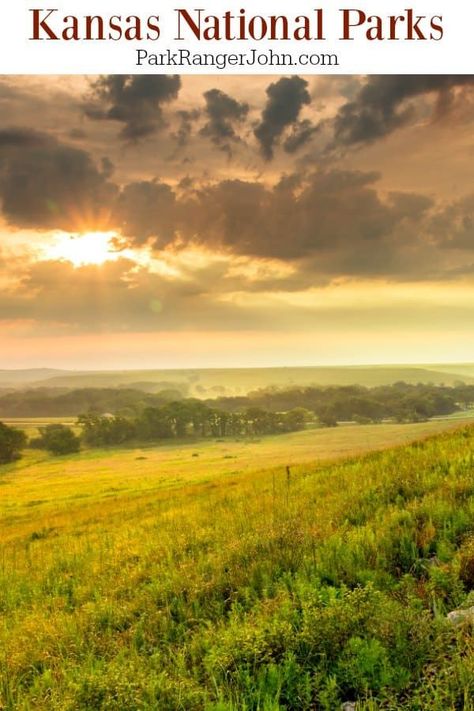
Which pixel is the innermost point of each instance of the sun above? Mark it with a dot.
(88, 248)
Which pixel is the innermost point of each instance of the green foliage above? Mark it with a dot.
(64, 402)
(327, 417)
(12, 441)
(364, 666)
(466, 563)
(187, 418)
(400, 401)
(57, 439)
(108, 430)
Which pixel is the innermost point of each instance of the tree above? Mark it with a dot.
(327, 417)
(104, 430)
(12, 441)
(154, 424)
(58, 439)
(295, 419)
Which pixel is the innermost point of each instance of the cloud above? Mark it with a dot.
(323, 215)
(22, 138)
(185, 129)
(318, 240)
(47, 184)
(223, 113)
(285, 100)
(65, 297)
(453, 225)
(302, 132)
(380, 107)
(55, 298)
(147, 209)
(322, 225)
(121, 296)
(43, 103)
(135, 101)
(326, 223)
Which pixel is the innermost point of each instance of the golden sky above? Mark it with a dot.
(155, 221)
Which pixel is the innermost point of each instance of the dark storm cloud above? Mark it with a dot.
(223, 113)
(302, 132)
(135, 101)
(333, 222)
(22, 138)
(325, 223)
(380, 105)
(47, 184)
(187, 120)
(327, 212)
(285, 99)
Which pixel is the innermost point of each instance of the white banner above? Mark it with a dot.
(210, 37)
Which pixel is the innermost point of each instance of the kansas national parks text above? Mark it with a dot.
(198, 24)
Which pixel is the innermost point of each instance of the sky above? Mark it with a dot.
(164, 221)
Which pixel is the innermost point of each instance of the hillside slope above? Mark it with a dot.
(255, 590)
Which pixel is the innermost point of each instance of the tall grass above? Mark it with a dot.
(259, 591)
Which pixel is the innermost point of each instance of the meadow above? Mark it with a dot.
(207, 576)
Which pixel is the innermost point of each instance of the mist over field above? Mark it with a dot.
(211, 382)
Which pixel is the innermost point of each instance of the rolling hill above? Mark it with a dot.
(211, 382)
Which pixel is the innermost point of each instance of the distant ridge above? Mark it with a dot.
(28, 375)
(210, 382)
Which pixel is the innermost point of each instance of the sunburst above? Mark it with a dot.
(82, 249)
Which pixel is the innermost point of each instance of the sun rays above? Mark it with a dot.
(83, 249)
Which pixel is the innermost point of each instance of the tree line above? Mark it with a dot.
(64, 402)
(188, 418)
(400, 401)
(263, 412)
(177, 420)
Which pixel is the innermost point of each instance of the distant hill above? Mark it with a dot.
(9, 378)
(463, 370)
(216, 382)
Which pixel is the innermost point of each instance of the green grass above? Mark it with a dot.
(218, 584)
(56, 485)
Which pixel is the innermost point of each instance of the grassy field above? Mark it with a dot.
(202, 577)
(53, 486)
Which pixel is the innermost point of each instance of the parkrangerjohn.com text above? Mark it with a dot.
(224, 60)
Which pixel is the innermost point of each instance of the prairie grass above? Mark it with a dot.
(181, 582)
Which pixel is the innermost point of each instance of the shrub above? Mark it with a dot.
(57, 439)
(466, 568)
(12, 441)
